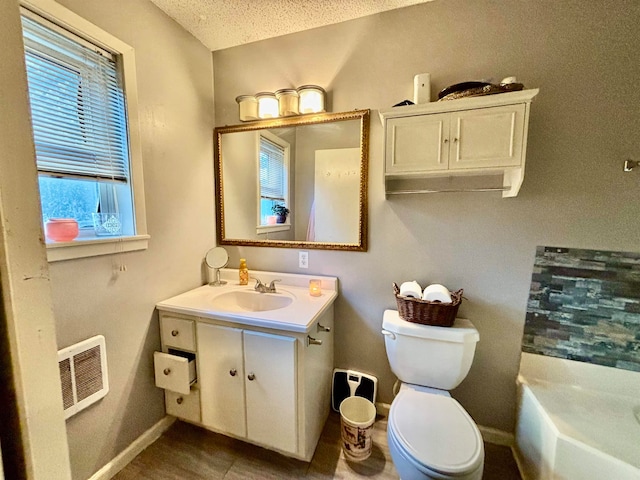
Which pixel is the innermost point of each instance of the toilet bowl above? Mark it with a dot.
(430, 434)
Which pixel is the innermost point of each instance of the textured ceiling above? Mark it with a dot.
(226, 23)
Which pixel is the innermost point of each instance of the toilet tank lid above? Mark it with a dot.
(462, 330)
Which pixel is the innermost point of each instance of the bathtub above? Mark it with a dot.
(577, 421)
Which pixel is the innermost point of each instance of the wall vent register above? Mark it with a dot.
(83, 374)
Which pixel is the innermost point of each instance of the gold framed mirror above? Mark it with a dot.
(294, 182)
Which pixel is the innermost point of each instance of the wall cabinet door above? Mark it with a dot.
(221, 378)
(487, 137)
(417, 143)
(270, 371)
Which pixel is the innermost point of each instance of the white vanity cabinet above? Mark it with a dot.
(250, 365)
(470, 136)
(267, 386)
(248, 384)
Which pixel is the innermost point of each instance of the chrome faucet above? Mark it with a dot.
(262, 288)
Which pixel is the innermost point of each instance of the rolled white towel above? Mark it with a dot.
(437, 292)
(411, 289)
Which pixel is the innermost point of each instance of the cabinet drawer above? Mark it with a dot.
(177, 332)
(174, 372)
(183, 406)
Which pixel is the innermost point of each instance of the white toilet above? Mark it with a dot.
(430, 435)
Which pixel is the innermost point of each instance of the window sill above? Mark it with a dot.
(278, 227)
(57, 252)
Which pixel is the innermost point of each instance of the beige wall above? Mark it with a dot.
(584, 58)
(90, 296)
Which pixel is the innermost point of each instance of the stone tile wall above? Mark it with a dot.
(585, 305)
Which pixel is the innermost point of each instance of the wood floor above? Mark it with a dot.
(186, 452)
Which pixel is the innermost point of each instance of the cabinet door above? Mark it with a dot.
(417, 144)
(270, 372)
(487, 137)
(221, 378)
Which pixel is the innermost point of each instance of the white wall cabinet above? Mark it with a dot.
(268, 387)
(477, 136)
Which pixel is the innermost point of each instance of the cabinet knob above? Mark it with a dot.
(166, 371)
(233, 372)
(322, 328)
(455, 140)
(251, 377)
(174, 333)
(313, 341)
(179, 400)
(446, 140)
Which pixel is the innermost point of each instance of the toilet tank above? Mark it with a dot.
(437, 357)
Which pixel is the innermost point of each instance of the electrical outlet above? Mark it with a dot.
(303, 259)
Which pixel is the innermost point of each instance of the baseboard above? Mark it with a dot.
(132, 451)
(519, 462)
(497, 437)
(382, 409)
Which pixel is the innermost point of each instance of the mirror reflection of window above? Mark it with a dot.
(274, 176)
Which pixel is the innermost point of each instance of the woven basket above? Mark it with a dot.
(426, 312)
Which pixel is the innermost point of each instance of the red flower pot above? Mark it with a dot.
(61, 229)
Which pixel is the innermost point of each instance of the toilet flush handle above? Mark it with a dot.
(387, 333)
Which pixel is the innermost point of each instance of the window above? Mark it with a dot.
(274, 176)
(82, 134)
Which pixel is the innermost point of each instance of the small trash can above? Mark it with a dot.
(357, 415)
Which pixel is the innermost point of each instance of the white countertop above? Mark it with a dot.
(299, 316)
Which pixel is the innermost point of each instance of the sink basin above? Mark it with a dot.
(250, 301)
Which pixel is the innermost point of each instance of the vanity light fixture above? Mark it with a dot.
(311, 99)
(287, 102)
(267, 105)
(248, 107)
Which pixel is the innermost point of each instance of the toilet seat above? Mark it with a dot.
(435, 432)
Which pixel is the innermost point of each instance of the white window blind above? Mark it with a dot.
(77, 105)
(272, 170)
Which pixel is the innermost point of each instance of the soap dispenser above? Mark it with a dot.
(243, 272)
